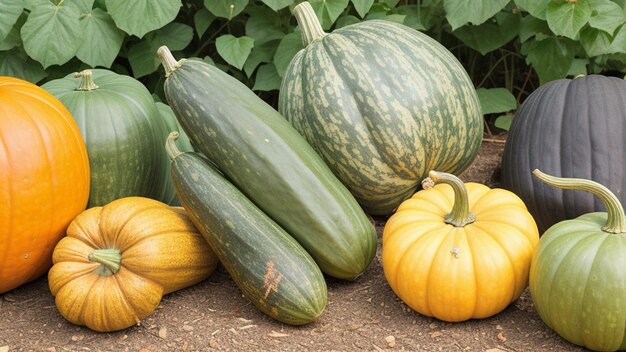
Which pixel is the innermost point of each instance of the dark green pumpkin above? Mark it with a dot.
(123, 131)
(272, 270)
(573, 128)
(578, 272)
(383, 104)
(271, 163)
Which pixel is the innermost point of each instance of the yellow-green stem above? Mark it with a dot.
(171, 147)
(460, 214)
(110, 260)
(616, 220)
(309, 23)
(167, 60)
(86, 81)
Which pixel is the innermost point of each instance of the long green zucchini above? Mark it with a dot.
(272, 270)
(271, 163)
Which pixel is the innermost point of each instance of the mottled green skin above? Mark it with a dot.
(272, 270)
(183, 144)
(383, 105)
(578, 282)
(123, 133)
(273, 165)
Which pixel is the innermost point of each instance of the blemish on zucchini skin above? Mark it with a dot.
(271, 279)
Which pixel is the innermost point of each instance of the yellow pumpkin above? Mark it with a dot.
(458, 251)
(117, 261)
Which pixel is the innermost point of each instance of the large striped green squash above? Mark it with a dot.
(123, 131)
(382, 104)
(271, 163)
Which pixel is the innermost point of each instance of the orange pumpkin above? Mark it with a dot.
(117, 261)
(459, 251)
(44, 179)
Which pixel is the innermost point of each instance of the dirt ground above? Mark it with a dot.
(213, 315)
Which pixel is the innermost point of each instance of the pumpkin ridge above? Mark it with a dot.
(430, 271)
(122, 293)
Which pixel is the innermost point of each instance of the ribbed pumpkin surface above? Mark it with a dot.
(568, 128)
(382, 104)
(44, 179)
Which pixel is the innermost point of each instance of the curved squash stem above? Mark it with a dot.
(309, 23)
(109, 258)
(171, 147)
(167, 60)
(460, 214)
(616, 220)
(86, 82)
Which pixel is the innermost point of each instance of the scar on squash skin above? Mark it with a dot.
(271, 279)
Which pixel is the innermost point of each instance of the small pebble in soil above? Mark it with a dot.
(391, 341)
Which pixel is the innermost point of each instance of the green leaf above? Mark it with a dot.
(138, 17)
(496, 100)
(287, 49)
(531, 26)
(262, 25)
(234, 50)
(537, 8)
(362, 6)
(567, 18)
(102, 39)
(397, 18)
(266, 78)
(504, 122)
(328, 10)
(618, 45)
(202, 21)
(277, 4)
(16, 63)
(225, 8)
(490, 35)
(460, 12)
(346, 21)
(551, 57)
(595, 42)
(391, 3)
(579, 67)
(260, 54)
(31, 4)
(142, 56)
(13, 38)
(52, 34)
(606, 15)
(11, 11)
(84, 6)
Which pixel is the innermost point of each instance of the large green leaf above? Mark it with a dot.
(138, 17)
(142, 56)
(606, 15)
(550, 57)
(266, 78)
(262, 25)
(362, 6)
(277, 4)
(595, 42)
(16, 63)
(567, 18)
(52, 34)
(287, 49)
(13, 38)
(460, 12)
(490, 35)
(84, 6)
(11, 11)
(260, 54)
(225, 8)
(618, 45)
(495, 100)
(328, 10)
(102, 39)
(531, 26)
(537, 8)
(202, 19)
(234, 50)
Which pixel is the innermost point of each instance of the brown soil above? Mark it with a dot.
(213, 315)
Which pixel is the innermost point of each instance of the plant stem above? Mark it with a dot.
(616, 220)
(167, 59)
(460, 214)
(309, 23)
(109, 258)
(171, 147)
(86, 82)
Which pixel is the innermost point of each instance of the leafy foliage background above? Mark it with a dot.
(507, 47)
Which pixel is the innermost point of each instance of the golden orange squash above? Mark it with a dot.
(117, 261)
(44, 179)
(458, 251)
